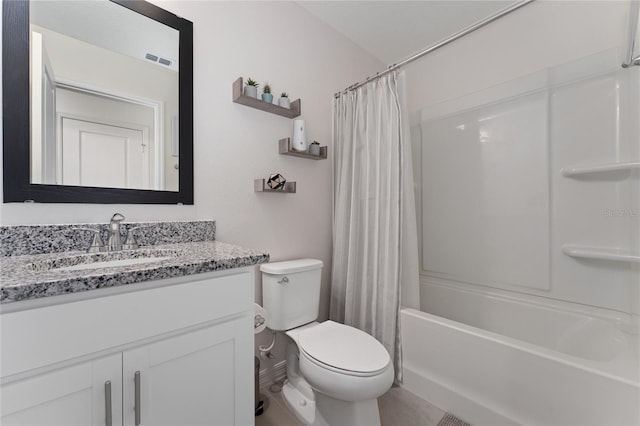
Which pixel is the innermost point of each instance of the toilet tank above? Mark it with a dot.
(291, 292)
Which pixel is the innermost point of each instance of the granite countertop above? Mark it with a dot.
(39, 275)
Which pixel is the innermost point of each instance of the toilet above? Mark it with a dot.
(335, 372)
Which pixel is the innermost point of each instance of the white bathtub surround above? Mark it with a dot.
(503, 359)
(537, 278)
(549, 181)
(374, 238)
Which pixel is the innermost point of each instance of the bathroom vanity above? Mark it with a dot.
(155, 342)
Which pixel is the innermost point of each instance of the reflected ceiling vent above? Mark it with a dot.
(155, 58)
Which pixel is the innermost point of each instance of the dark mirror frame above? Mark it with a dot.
(17, 124)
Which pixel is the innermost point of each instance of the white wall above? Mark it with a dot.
(541, 35)
(278, 42)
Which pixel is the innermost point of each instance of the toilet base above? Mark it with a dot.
(327, 411)
(303, 407)
(334, 412)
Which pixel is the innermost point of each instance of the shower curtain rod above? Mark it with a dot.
(440, 44)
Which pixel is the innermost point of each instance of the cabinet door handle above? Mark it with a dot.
(136, 379)
(107, 403)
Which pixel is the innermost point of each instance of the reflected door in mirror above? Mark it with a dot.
(104, 156)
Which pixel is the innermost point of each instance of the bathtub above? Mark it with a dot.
(494, 359)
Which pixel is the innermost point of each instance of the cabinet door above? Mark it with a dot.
(204, 377)
(74, 395)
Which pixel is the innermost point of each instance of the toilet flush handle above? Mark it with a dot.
(284, 280)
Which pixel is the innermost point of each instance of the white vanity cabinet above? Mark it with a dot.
(171, 352)
(73, 395)
(189, 379)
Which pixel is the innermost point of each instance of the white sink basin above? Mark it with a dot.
(82, 262)
(113, 263)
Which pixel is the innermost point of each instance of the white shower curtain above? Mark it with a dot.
(374, 233)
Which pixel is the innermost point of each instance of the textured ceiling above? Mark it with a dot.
(394, 30)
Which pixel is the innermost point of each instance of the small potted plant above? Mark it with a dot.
(284, 100)
(251, 88)
(266, 95)
(314, 148)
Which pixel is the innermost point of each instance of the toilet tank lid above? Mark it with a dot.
(291, 266)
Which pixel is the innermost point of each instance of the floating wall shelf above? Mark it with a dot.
(600, 168)
(600, 253)
(259, 185)
(240, 98)
(284, 147)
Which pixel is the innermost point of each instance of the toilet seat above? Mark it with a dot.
(343, 349)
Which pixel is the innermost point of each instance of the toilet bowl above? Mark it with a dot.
(335, 372)
(344, 362)
(335, 375)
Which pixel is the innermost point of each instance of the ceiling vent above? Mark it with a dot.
(155, 58)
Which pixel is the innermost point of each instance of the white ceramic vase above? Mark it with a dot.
(284, 102)
(251, 91)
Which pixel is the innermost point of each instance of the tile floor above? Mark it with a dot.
(398, 407)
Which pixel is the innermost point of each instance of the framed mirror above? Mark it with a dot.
(97, 103)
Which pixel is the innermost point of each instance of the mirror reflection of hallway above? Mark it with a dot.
(106, 77)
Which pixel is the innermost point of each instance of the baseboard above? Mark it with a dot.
(269, 376)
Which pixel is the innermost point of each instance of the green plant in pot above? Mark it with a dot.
(251, 88)
(314, 148)
(266, 95)
(284, 100)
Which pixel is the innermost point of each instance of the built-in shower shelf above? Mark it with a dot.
(599, 253)
(600, 168)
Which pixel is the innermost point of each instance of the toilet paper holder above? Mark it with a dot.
(258, 320)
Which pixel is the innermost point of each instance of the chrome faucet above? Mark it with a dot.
(115, 240)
